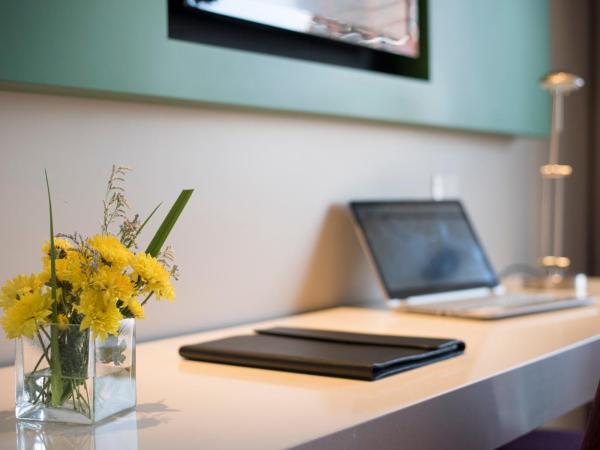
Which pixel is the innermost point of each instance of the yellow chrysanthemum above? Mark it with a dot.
(23, 318)
(44, 277)
(153, 275)
(62, 321)
(113, 283)
(19, 286)
(71, 268)
(61, 246)
(111, 250)
(136, 309)
(99, 313)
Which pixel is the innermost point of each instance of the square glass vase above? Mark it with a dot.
(66, 375)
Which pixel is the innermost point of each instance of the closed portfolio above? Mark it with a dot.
(332, 353)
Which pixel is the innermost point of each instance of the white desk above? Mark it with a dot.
(515, 375)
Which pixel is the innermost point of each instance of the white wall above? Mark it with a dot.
(263, 235)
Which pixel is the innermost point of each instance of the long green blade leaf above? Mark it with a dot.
(52, 253)
(165, 228)
(56, 382)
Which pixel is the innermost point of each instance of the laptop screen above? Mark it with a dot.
(423, 247)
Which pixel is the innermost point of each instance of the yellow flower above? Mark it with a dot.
(18, 287)
(23, 318)
(153, 275)
(114, 283)
(111, 250)
(136, 309)
(71, 268)
(44, 277)
(61, 246)
(63, 321)
(99, 313)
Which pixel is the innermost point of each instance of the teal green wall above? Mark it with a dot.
(486, 59)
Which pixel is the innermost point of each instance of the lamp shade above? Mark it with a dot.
(562, 82)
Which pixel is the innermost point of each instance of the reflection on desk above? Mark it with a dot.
(120, 432)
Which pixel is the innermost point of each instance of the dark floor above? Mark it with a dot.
(547, 440)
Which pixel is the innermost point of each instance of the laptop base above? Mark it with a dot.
(498, 307)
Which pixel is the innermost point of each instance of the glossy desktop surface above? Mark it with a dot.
(510, 370)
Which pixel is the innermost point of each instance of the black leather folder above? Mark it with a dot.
(332, 353)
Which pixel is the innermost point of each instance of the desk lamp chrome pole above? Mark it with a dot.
(553, 262)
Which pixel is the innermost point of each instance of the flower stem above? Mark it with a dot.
(147, 298)
(56, 382)
(73, 396)
(44, 350)
(42, 391)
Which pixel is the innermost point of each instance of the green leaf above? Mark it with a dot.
(52, 254)
(56, 381)
(165, 228)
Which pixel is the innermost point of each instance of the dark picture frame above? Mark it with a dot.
(195, 25)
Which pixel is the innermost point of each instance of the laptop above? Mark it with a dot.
(429, 260)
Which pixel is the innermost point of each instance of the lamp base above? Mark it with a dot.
(577, 283)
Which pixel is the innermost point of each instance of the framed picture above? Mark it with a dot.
(389, 36)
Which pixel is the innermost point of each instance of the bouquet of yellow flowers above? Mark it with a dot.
(92, 282)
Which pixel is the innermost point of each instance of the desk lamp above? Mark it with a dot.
(552, 260)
